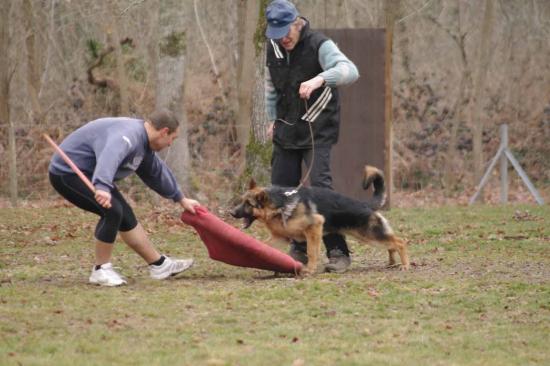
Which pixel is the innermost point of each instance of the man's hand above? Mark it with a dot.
(308, 87)
(189, 204)
(103, 198)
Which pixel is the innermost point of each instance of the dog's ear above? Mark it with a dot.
(262, 198)
(252, 184)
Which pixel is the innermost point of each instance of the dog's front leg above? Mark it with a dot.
(314, 236)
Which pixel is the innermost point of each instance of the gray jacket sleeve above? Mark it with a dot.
(270, 97)
(338, 69)
(107, 162)
(157, 176)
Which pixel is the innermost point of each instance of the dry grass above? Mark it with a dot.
(477, 294)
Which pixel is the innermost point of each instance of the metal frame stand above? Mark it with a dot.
(504, 154)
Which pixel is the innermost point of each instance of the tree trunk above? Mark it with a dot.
(12, 160)
(391, 10)
(170, 83)
(248, 14)
(451, 167)
(477, 119)
(5, 78)
(153, 45)
(120, 69)
(33, 80)
(258, 149)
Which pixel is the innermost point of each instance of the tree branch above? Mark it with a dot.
(134, 3)
(212, 60)
(414, 12)
(106, 82)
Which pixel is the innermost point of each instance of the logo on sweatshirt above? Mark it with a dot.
(134, 163)
(127, 141)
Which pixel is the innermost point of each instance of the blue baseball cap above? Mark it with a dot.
(279, 15)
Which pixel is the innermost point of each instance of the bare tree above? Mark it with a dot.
(249, 14)
(391, 10)
(33, 80)
(258, 149)
(484, 57)
(5, 79)
(458, 37)
(170, 82)
(213, 62)
(113, 25)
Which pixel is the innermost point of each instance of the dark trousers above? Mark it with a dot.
(286, 171)
(120, 217)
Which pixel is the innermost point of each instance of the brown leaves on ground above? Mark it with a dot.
(525, 216)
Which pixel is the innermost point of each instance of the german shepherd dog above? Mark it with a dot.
(307, 214)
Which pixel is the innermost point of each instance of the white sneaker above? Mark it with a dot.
(106, 276)
(170, 267)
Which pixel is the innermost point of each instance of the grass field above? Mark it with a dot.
(478, 293)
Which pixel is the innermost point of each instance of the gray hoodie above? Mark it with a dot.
(109, 149)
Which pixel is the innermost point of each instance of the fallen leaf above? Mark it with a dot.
(49, 241)
(372, 292)
(215, 362)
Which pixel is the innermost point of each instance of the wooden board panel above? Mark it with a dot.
(362, 124)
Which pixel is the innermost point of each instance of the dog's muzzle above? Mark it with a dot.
(240, 214)
(247, 221)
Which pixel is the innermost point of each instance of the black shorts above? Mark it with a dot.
(120, 217)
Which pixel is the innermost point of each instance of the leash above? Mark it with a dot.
(295, 190)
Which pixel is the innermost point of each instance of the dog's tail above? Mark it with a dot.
(375, 177)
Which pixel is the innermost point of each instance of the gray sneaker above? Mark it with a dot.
(337, 261)
(297, 253)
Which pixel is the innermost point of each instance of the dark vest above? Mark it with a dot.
(288, 70)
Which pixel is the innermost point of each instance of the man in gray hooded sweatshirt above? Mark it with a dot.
(107, 150)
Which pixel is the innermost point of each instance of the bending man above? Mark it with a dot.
(107, 150)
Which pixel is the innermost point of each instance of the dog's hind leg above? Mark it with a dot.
(391, 255)
(399, 245)
(380, 230)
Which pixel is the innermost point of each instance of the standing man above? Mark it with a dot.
(304, 67)
(107, 150)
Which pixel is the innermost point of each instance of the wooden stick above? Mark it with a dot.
(70, 163)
